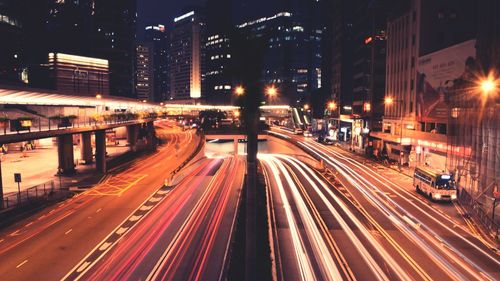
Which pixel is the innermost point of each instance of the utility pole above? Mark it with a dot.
(247, 68)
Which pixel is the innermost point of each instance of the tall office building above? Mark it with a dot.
(144, 72)
(158, 36)
(10, 50)
(185, 59)
(102, 29)
(427, 48)
(218, 78)
(369, 26)
(115, 29)
(288, 61)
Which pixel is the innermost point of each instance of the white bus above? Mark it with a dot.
(437, 185)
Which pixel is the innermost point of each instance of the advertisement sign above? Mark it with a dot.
(437, 73)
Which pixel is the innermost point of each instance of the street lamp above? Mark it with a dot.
(488, 85)
(306, 106)
(271, 91)
(332, 106)
(239, 91)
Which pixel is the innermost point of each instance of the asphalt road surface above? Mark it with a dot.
(373, 224)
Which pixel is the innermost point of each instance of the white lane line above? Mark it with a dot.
(83, 266)
(21, 264)
(15, 233)
(67, 232)
(1, 240)
(28, 224)
(121, 230)
(135, 218)
(146, 208)
(105, 246)
(154, 199)
(40, 218)
(98, 210)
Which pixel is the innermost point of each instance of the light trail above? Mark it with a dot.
(380, 179)
(303, 262)
(399, 219)
(354, 239)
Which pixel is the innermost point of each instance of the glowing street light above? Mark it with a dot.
(306, 106)
(239, 91)
(488, 85)
(98, 96)
(389, 101)
(271, 91)
(332, 106)
(237, 114)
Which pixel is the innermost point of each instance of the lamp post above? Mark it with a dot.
(388, 102)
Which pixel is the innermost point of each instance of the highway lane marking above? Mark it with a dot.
(105, 246)
(67, 232)
(135, 218)
(83, 266)
(21, 264)
(154, 199)
(121, 230)
(40, 218)
(28, 224)
(15, 233)
(98, 210)
(1, 240)
(146, 208)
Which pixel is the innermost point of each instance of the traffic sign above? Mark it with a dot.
(17, 177)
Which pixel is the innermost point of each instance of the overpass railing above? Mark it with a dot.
(27, 125)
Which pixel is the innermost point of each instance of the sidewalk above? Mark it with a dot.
(405, 170)
(40, 166)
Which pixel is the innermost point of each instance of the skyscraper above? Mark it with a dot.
(157, 35)
(185, 59)
(288, 60)
(93, 28)
(144, 73)
(114, 29)
(218, 75)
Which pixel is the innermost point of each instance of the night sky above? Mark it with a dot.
(163, 11)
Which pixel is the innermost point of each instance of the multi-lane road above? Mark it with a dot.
(365, 222)
(131, 226)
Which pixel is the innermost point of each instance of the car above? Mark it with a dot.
(298, 131)
(307, 134)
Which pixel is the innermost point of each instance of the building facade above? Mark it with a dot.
(185, 59)
(158, 36)
(218, 77)
(292, 61)
(100, 29)
(145, 72)
(407, 134)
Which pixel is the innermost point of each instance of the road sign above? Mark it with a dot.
(17, 177)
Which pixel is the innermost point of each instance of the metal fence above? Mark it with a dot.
(40, 192)
(477, 212)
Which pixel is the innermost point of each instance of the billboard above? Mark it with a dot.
(436, 74)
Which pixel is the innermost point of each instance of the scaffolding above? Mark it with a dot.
(474, 151)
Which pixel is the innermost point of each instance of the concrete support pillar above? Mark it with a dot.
(100, 151)
(151, 136)
(132, 135)
(235, 142)
(86, 148)
(65, 154)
